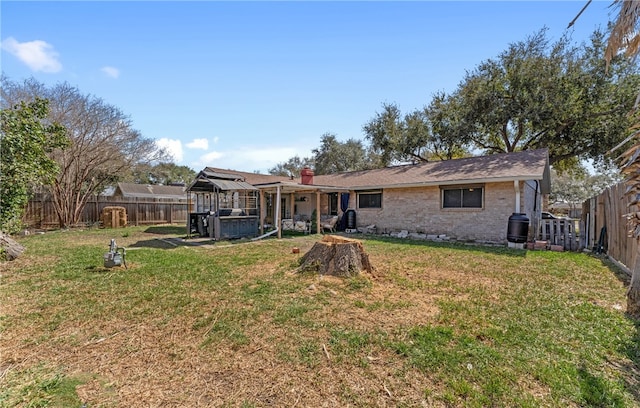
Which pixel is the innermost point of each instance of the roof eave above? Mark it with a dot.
(298, 188)
(449, 182)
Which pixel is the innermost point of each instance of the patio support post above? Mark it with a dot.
(263, 211)
(276, 216)
(292, 207)
(318, 227)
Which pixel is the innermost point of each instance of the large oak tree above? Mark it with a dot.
(535, 94)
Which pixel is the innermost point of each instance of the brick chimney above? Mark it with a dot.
(307, 175)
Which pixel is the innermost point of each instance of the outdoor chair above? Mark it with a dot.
(329, 224)
(298, 226)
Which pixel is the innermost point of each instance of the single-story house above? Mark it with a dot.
(468, 199)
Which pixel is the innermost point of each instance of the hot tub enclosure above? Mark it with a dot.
(225, 207)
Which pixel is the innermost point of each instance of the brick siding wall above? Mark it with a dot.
(419, 210)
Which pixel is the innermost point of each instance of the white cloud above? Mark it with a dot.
(111, 72)
(37, 55)
(202, 144)
(250, 159)
(210, 157)
(215, 140)
(173, 147)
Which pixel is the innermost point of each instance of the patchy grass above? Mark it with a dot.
(230, 324)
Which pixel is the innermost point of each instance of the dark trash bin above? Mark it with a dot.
(518, 228)
(351, 219)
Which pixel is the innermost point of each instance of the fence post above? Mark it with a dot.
(41, 221)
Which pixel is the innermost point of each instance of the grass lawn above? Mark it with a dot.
(231, 325)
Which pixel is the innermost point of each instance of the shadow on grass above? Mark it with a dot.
(175, 242)
(595, 391)
(622, 275)
(475, 247)
(167, 230)
(631, 369)
(157, 243)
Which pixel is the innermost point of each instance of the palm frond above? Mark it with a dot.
(624, 34)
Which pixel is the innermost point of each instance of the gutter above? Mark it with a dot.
(446, 183)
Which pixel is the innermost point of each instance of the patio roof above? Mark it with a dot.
(292, 187)
(208, 184)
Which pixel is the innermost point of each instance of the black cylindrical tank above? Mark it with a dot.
(351, 218)
(518, 228)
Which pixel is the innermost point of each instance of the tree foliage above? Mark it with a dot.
(333, 156)
(421, 135)
(575, 184)
(535, 94)
(292, 167)
(556, 96)
(165, 173)
(103, 144)
(26, 140)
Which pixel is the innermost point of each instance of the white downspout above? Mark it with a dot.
(516, 186)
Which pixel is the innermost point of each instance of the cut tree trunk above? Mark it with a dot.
(337, 256)
(10, 248)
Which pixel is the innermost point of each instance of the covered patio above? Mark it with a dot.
(299, 207)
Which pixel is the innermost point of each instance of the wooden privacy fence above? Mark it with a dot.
(606, 227)
(40, 212)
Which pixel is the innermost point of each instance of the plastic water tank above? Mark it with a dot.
(518, 228)
(351, 218)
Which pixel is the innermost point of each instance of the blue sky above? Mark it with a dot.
(246, 85)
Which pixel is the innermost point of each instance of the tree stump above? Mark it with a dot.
(337, 256)
(10, 248)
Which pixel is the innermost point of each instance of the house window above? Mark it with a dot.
(333, 203)
(462, 197)
(370, 199)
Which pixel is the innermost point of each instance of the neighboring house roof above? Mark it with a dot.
(150, 191)
(526, 165)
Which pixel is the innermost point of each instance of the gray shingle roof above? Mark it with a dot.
(525, 165)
